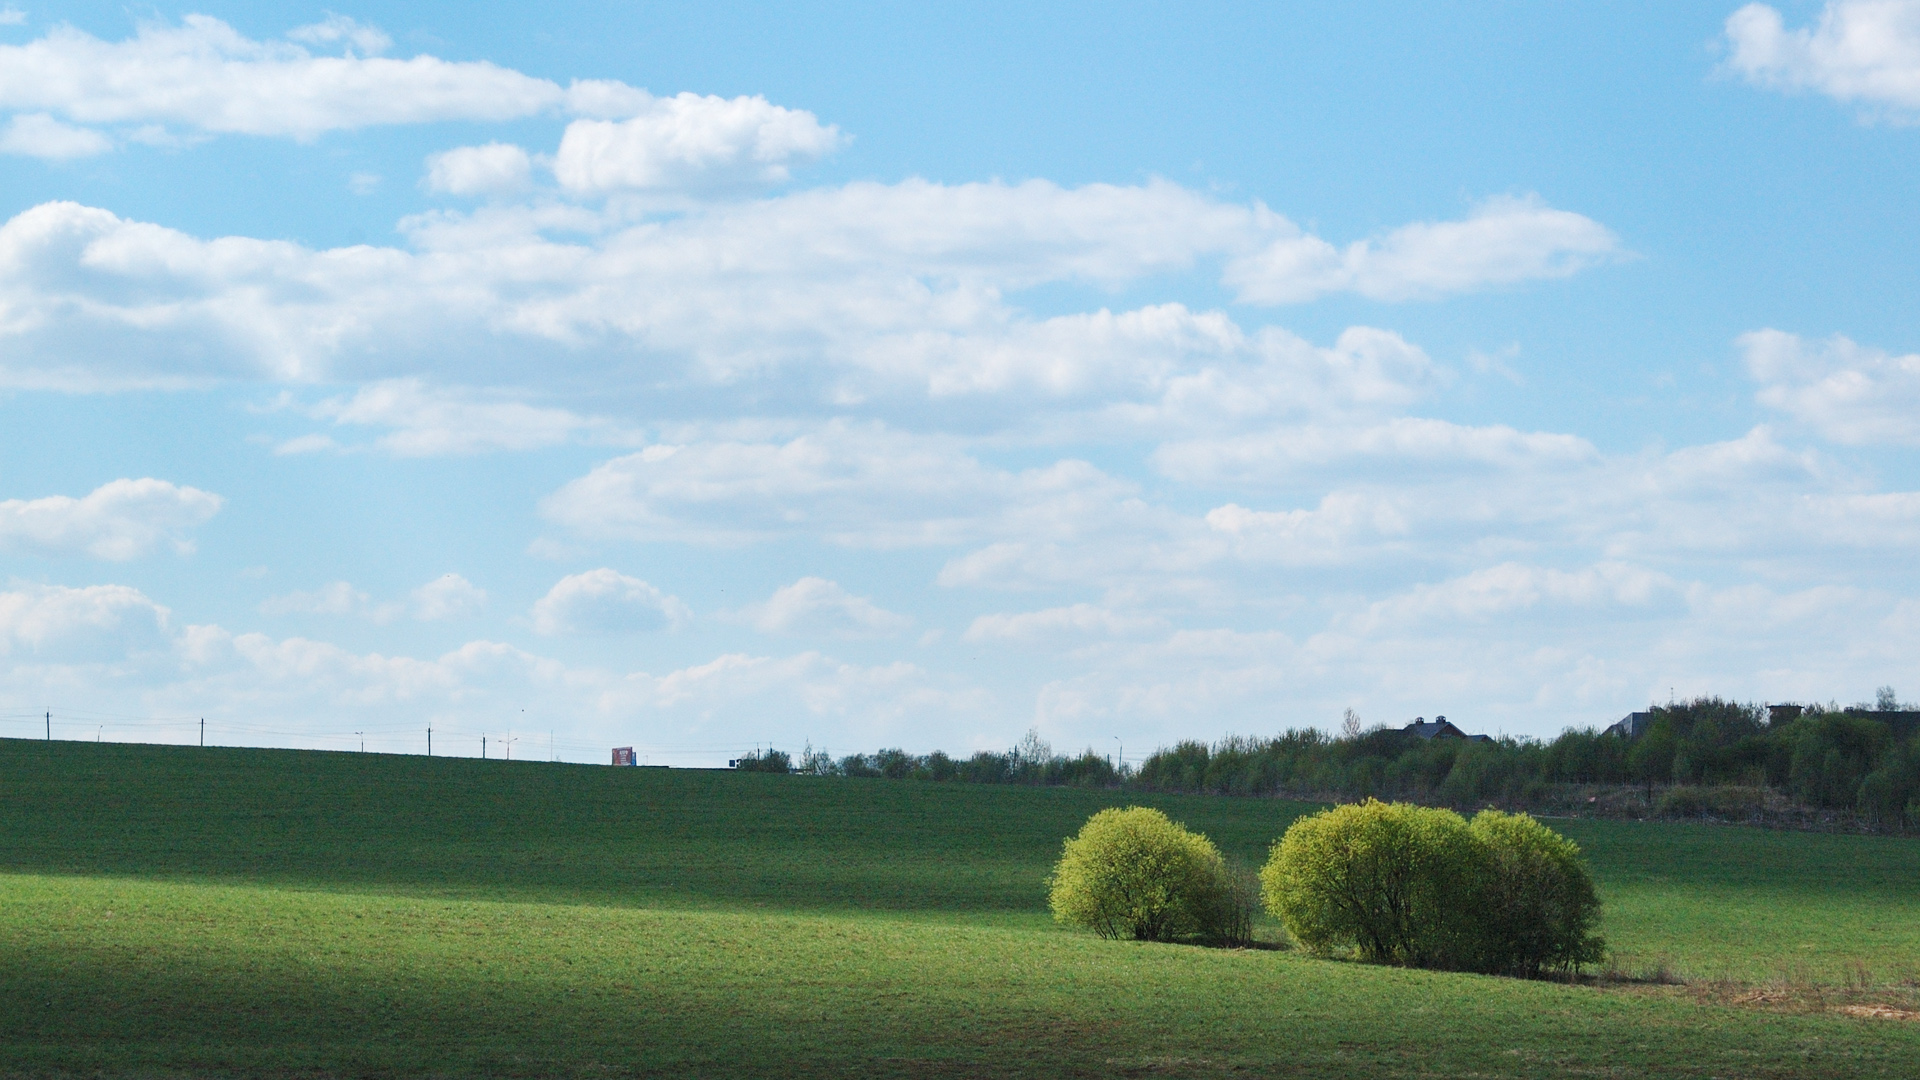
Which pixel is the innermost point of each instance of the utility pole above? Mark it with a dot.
(49, 725)
(363, 741)
(429, 740)
(203, 731)
(483, 748)
(509, 745)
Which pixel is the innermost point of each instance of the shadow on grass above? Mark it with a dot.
(540, 831)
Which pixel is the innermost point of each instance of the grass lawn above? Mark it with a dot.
(177, 911)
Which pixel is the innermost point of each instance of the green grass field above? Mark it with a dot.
(188, 912)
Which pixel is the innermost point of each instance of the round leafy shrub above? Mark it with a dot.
(1390, 881)
(1535, 904)
(1410, 885)
(1134, 874)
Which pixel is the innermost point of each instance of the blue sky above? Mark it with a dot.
(697, 377)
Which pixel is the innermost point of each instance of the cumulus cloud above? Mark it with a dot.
(865, 704)
(848, 484)
(130, 657)
(1504, 241)
(95, 624)
(869, 289)
(41, 136)
(493, 169)
(448, 596)
(1345, 526)
(120, 520)
(1420, 498)
(1846, 392)
(1402, 443)
(816, 605)
(1510, 588)
(341, 30)
(1075, 621)
(605, 601)
(1858, 51)
(203, 75)
(425, 421)
(334, 598)
(691, 141)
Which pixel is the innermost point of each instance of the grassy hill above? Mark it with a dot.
(176, 911)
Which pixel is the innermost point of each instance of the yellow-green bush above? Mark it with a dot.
(1390, 881)
(1536, 904)
(1134, 874)
(1410, 885)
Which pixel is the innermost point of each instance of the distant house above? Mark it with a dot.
(1439, 728)
(1630, 726)
(1782, 714)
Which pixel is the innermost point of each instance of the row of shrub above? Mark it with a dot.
(1389, 883)
(1861, 760)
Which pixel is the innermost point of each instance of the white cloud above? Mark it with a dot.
(606, 99)
(339, 29)
(1077, 620)
(864, 705)
(96, 624)
(1504, 241)
(605, 601)
(1285, 453)
(1864, 51)
(494, 169)
(1510, 588)
(1846, 392)
(1446, 496)
(334, 598)
(12, 16)
(112, 648)
(119, 520)
(859, 291)
(448, 596)
(847, 484)
(428, 421)
(1345, 527)
(691, 141)
(203, 75)
(39, 135)
(816, 605)
(306, 444)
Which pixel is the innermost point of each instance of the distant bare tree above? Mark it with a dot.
(1350, 725)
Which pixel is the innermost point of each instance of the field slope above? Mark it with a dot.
(179, 911)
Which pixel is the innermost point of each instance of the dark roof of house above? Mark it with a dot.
(1630, 725)
(1437, 728)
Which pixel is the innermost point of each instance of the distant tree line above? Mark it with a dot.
(1861, 760)
(1031, 762)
